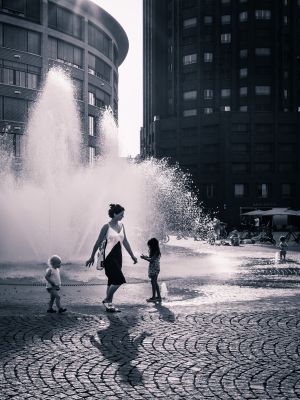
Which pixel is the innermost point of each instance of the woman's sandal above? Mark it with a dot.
(111, 308)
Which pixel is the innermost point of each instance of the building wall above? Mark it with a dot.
(38, 34)
(222, 97)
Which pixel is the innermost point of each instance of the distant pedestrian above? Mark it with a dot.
(154, 268)
(54, 283)
(283, 248)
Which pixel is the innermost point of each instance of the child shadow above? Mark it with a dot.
(117, 345)
(165, 313)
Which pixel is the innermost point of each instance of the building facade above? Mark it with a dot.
(222, 98)
(78, 36)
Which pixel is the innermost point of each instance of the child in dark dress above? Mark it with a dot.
(154, 268)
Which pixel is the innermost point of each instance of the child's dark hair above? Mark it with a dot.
(282, 238)
(154, 247)
(115, 209)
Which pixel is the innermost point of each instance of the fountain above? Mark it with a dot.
(57, 205)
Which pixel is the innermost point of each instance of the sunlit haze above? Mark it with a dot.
(129, 15)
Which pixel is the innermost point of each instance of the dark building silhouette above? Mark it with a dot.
(76, 35)
(222, 97)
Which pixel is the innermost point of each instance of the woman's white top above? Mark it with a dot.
(54, 276)
(113, 237)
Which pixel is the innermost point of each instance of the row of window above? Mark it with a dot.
(22, 8)
(97, 97)
(226, 19)
(20, 39)
(12, 109)
(208, 57)
(263, 190)
(18, 74)
(208, 94)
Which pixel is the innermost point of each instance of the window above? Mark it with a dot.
(92, 154)
(285, 94)
(263, 190)
(225, 19)
(14, 109)
(263, 14)
(208, 94)
(189, 22)
(208, 110)
(225, 1)
(99, 40)
(243, 53)
(263, 167)
(64, 20)
(190, 113)
(225, 37)
(225, 108)
(189, 59)
(208, 20)
(21, 39)
(287, 167)
(225, 93)
(263, 147)
(208, 57)
(98, 67)
(243, 72)
(17, 145)
(286, 190)
(244, 108)
(239, 147)
(238, 168)
(262, 90)
(78, 86)
(263, 51)
(92, 99)
(211, 167)
(190, 95)
(210, 190)
(63, 51)
(243, 91)
(91, 125)
(32, 81)
(239, 190)
(243, 16)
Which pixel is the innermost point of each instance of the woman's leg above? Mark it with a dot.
(111, 289)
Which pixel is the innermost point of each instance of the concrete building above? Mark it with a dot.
(222, 97)
(76, 35)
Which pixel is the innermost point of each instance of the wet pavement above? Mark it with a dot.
(227, 329)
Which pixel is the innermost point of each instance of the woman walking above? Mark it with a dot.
(114, 234)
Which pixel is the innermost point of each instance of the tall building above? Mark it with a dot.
(76, 35)
(222, 98)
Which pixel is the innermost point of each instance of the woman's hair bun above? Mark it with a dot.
(115, 209)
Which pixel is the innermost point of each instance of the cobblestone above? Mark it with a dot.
(143, 355)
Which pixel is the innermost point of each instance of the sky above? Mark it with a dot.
(129, 14)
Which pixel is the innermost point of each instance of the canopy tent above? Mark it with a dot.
(273, 211)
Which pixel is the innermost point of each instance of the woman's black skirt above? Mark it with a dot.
(113, 266)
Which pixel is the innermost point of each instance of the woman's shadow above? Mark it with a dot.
(117, 345)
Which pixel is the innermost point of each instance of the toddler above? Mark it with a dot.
(283, 246)
(53, 283)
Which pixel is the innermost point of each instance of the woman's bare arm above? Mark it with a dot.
(128, 248)
(101, 237)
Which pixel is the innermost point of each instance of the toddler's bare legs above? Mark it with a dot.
(54, 296)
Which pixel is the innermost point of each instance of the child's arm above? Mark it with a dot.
(48, 279)
(150, 259)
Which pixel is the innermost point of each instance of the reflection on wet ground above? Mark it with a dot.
(194, 273)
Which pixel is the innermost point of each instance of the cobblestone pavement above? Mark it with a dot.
(151, 353)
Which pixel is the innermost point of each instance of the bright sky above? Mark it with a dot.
(129, 14)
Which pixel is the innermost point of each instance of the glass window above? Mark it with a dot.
(92, 99)
(92, 154)
(263, 14)
(91, 125)
(190, 59)
(208, 20)
(243, 91)
(244, 108)
(78, 86)
(208, 57)
(208, 94)
(14, 38)
(17, 145)
(208, 110)
(243, 72)
(263, 190)
(32, 81)
(262, 90)
(225, 108)
(225, 92)
(14, 109)
(210, 190)
(239, 189)
(189, 22)
(100, 40)
(225, 19)
(262, 51)
(243, 16)
(190, 95)
(225, 1)
(34, 42)
(225, 37)
(286, 190)
(263, 167)
(243, 53)
(190, 113)
(239, 167)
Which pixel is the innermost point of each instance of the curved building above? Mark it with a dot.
(38, 34)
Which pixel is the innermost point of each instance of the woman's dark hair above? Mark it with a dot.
(115, 209)
(154, 247)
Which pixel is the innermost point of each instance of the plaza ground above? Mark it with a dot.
(228, 328)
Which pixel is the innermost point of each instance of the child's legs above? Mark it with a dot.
(52, 298)
(155, 286)
(56, 296)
